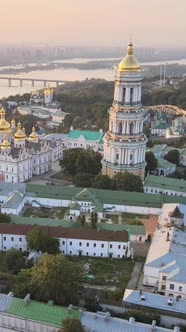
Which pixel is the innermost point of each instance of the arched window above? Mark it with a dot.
(120, 127)
(131, 128)
(131, 95)
(124, 94)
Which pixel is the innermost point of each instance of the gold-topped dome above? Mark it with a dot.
(19, 133)
(4, 125)
(33, 135)
(129, 63)
(12, 121)
(5, 144)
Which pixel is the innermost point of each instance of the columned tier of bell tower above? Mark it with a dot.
(125, 142)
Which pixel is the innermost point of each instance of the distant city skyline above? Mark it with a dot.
(154, 23)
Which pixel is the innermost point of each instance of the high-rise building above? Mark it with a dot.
(125, 142)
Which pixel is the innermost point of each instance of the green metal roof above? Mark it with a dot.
(102, 196)
(87, 134)
(133, 229)
(166, 183)
(163, 163)
(41, 312)
(43, 221)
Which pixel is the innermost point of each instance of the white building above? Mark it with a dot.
(165, 264)
(21, 157)
(85, 242)
(85, 139)
(125, 142)
(163, 185)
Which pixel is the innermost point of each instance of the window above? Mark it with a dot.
(170, 295)
(171, 286)
(87, 244)
(164, 278)
(119, 247)
(4, 238)
(118, 256)
(12, 239)
(94, 254)
(94, 245)
(110, 245)
(63, 242)
(101, 254)
(20, 239)
(80, 244)
(70, 243)
(70, 252)
(87, 253)
(20, 249)
(180, 288)
(102, 245)
(4, 248)
(123, 247)
(162, 287)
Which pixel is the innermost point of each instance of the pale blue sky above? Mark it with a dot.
(94, 22)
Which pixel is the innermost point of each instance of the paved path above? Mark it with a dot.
(133, 282)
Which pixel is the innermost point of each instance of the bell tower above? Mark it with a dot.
(125, 142)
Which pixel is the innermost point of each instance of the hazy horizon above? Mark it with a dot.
(154, 23)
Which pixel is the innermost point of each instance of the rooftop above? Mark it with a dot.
(13, 201)
(39, 311)
(154, 301)
(61, 232)
(163, 163)
(87, 134)
(104, 196)
(165, 183)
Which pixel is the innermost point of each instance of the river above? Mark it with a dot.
(66, 74)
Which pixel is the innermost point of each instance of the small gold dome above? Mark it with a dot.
(33, 135)
(19, 133)
(12, 121)
(4, 125)
(129, 63)
(5, 144)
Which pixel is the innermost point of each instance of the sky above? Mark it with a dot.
(152, 23)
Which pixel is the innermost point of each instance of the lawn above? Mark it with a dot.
(107, 272)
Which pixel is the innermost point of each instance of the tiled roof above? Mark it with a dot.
(43, 221)
(61, 232)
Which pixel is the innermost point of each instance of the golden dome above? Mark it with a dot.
(33, 135)
(129, 63)
(12, 121)
(5, 144)
(4, 125)
(19, 133)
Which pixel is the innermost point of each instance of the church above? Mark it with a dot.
(21, 157)
(125, 142)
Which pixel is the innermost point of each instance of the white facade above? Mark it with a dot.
(102, 244)
(125, 142)
(165, 264)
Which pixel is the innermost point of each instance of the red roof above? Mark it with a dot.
(72, 233)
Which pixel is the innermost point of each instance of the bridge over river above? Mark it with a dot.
(21, 80)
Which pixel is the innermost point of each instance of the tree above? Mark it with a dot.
(151, 162)
(78, 160)
(5, 218)
(102, 182)
(127, 182)
(71, 325)
(83, 180)
(89, 161)
(173, 156)
(40, 241)
(14, 260)
(68, 163)
(94, 219)
(53, 278)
